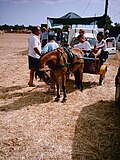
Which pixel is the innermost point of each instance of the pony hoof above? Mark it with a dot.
(81, 89)
(64, 100)
(56, 99)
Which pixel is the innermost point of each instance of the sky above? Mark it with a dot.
(35, 12)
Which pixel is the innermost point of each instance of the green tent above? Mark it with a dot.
(72, 18)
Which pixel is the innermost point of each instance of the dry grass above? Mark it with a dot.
(34, 127)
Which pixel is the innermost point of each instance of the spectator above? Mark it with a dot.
(58, 38)
(106, 34)
(44, 36)
(34, 53)
(51, 45)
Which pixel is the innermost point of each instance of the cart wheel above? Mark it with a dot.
(103, 70)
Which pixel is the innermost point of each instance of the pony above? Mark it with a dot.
(60, 61)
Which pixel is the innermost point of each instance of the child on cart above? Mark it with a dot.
(100, 47)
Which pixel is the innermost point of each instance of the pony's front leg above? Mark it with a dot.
(64, 88)
(64, 94)
(58, 93)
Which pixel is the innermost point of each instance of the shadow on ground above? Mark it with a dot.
(86, 85)
(97, 133)
(24, 98)
(30, 97)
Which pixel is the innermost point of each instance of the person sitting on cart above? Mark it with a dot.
(82, 35)
(83, 45)
(100, 47)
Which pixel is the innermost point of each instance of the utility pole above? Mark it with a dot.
(105, 18)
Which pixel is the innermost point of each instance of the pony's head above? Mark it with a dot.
(44, 76)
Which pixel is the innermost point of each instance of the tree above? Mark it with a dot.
(100, 24)
(115, 30)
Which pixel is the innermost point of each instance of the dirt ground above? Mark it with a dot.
(34, 127)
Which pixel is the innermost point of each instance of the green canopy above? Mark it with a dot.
(72, 18)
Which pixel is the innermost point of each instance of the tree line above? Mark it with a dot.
(114, 30)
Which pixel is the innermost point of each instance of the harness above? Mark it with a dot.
(69, 54)
(58, 61)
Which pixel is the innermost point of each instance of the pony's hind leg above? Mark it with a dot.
(64, 93)
(58, 93)
(78, 79)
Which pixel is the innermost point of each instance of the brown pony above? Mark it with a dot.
(58, 61)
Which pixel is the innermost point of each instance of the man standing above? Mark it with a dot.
(44, 36)
(34, 49)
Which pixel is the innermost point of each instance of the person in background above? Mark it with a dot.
(51, 32)
(34, 53)
(44, 36)
(51, 45)
(106, 34)
(58, 38)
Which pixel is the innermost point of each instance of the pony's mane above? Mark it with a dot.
(54, 54)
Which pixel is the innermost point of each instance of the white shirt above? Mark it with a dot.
(52, 45)
(100, 43)
(34, 42)
(84, 46)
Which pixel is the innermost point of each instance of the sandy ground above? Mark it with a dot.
(34, 127)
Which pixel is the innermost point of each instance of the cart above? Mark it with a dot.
(95, 66)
